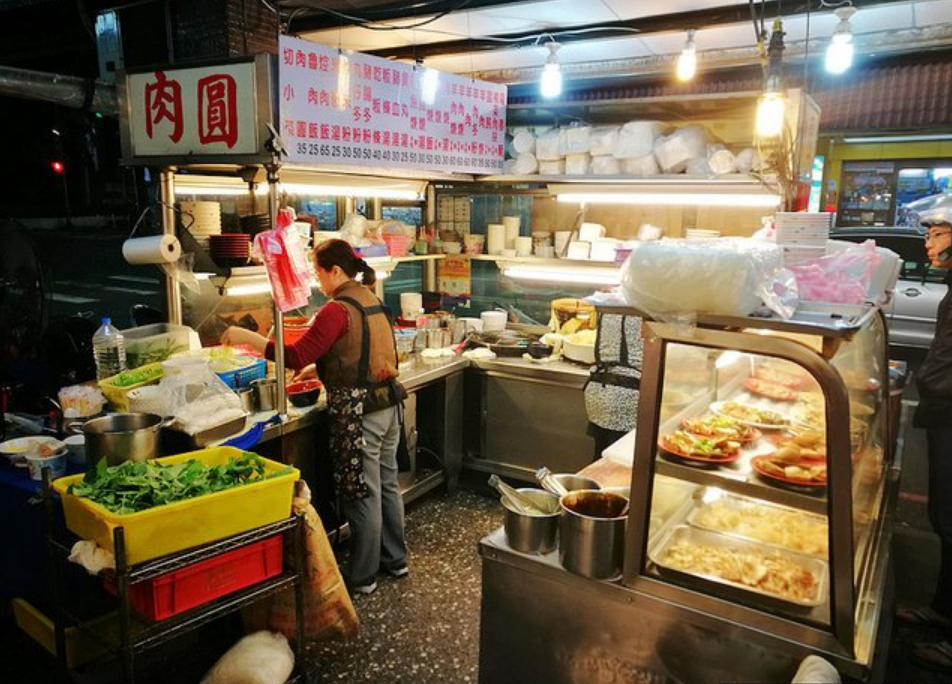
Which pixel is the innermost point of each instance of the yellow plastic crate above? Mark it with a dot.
(180, 525)
(118, 397)
(81, 648)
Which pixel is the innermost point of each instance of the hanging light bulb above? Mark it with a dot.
(429, 85)
(343, 80)
(770, 109)
(839, 53)
(687, 60)
(551, 84)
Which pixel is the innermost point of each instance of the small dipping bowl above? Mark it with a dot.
(304, 393)
(56, 463)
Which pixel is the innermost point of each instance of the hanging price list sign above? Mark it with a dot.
(360, 110)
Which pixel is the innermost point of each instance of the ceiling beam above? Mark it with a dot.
(700, 19)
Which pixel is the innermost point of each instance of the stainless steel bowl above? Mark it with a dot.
(574, 483)
(533, 533)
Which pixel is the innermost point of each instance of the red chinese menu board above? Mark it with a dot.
(194, 112)
(341, 107)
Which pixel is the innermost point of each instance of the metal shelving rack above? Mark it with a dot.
(138, 638)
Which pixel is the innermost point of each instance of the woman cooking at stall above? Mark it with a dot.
(351, 341)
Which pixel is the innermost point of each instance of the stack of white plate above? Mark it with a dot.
(700, 233)
(202, 219)
(802, 236)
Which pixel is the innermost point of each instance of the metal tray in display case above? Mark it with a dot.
(715, 541)
(750, 507)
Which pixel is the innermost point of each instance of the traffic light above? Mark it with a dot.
(58, 167)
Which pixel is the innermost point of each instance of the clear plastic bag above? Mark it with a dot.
(669, 278)
(198, 399)
(840, 278)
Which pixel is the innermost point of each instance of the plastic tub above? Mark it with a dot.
(154, 343)
(166, 529)
(174, 592)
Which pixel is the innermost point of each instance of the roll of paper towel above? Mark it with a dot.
(156, 249)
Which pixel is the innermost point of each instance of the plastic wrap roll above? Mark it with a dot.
(525, 164)
(156, 249)
(523, 142)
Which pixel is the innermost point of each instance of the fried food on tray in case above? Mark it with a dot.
(751, 414)
(771, 573)
(802, 473)
(782, 376)
(723, 427)
(773, 525)
(800, 444)
(681, 442)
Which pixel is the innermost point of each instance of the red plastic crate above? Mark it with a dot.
(177, 591)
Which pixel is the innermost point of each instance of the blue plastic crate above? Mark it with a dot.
(242, 377)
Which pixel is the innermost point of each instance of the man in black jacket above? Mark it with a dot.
(934, 413)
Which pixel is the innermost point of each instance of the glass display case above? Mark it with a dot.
(760, 473)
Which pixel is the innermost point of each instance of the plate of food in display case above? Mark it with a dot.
(799, 444)
(683, 447)
(770, 390)
(750, 415)
(718, 426)
(763, 522)
(803, 476)
(748, 566)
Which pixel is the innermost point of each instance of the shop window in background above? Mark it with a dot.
(411, 213)
(322, 209)
(916, 183)
(868, 192)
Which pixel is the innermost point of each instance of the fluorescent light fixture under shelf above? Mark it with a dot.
(247, 289)
(898, 138)
(581, 275)
(673, 199)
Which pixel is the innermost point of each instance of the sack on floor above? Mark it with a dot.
(259, 658)
(328, 610)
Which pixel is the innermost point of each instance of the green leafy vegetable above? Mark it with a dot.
(131, 487)
(134, 377)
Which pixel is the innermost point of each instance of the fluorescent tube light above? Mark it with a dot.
(671, 199)
(352, 191)
(898, 138)
(564, 274)
(246, 289)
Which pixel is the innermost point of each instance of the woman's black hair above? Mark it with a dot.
(332, 253)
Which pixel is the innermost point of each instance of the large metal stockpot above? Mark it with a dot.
(122, 437)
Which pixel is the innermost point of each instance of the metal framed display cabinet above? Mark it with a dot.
(733, 570)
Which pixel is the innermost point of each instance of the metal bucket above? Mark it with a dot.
(592, 533)
(122, 437)
(533, 533)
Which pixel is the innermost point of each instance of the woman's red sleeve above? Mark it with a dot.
(329, 325)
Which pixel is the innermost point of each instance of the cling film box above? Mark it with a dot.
(180, 525)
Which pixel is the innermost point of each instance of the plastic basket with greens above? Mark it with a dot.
(131, 487)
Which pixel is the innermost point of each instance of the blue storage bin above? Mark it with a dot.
(242, 377)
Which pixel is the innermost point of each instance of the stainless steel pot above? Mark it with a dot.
(122, 437)
(592, 533)
(533, 533)
(266, 391)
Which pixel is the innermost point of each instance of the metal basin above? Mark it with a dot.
(122, 437)
(533, 533)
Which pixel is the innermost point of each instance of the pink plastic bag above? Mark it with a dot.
(841, 278)
(286, 262)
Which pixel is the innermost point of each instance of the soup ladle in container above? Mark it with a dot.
(519, 502)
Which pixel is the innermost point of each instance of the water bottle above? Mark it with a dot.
(109, 350)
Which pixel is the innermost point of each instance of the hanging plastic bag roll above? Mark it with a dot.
(155, 249)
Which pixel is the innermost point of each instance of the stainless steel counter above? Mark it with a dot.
(565, 373)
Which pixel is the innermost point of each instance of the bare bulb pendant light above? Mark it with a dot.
(687, 60)
(839, 53)
(550, 85)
